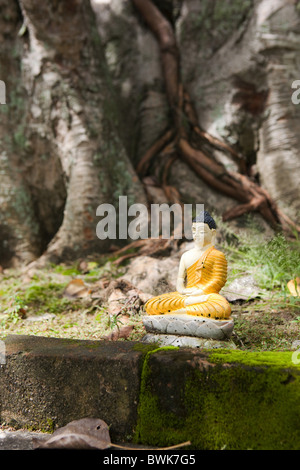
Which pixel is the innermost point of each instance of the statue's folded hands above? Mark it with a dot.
(194, 299)
(192, 291)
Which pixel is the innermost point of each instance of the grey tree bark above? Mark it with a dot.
(246, 87)
(71, 157)
(238, 61)
(19, 229)
(243, 58)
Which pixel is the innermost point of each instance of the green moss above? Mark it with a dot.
(66, 270)
(48, 298)
(148, 406)
(263, 358)
(242, 408)
(50, 425)
(37, 298)
(45, 426)
(144, 348)
(232, 399)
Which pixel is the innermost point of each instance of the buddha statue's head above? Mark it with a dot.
(204, 230)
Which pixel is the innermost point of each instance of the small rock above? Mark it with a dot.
(19, 440)
(116, 302)
(152, 275)
(145, 297)
(45, 316)
(122, 295)
(243, 288)
(117, 296)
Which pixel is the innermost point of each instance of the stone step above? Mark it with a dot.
(154, 396)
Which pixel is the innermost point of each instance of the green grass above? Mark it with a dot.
(272, 263)
(43, 293)
(271, 322)
(272, 260)
(268, 323)
(260, 326)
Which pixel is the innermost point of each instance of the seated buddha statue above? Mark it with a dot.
(202, 274)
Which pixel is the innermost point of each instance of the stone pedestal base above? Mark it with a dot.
(187, 341)
(189, 325)
(188, 331)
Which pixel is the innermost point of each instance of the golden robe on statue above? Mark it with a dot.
(208, 273)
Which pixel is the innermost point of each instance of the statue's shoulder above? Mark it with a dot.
(187, 257)
(217, 254)
(185, 254)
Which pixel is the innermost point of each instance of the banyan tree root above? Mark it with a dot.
(146, 247)
(237, 185)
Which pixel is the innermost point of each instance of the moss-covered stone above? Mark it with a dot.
(281, 359)
(162, 396)
(224, 399)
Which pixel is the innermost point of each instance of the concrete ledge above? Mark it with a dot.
(157, 396)
(48, 382)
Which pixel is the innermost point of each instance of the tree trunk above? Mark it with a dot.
(72, 156)
(239, 60)
(70, 98)
(19, 228)
(199, 155)
(214, 173)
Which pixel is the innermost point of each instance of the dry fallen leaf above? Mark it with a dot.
(77, 289)
(294, 286)
(86, 433)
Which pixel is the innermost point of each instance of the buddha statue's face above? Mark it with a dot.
(202, 234)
